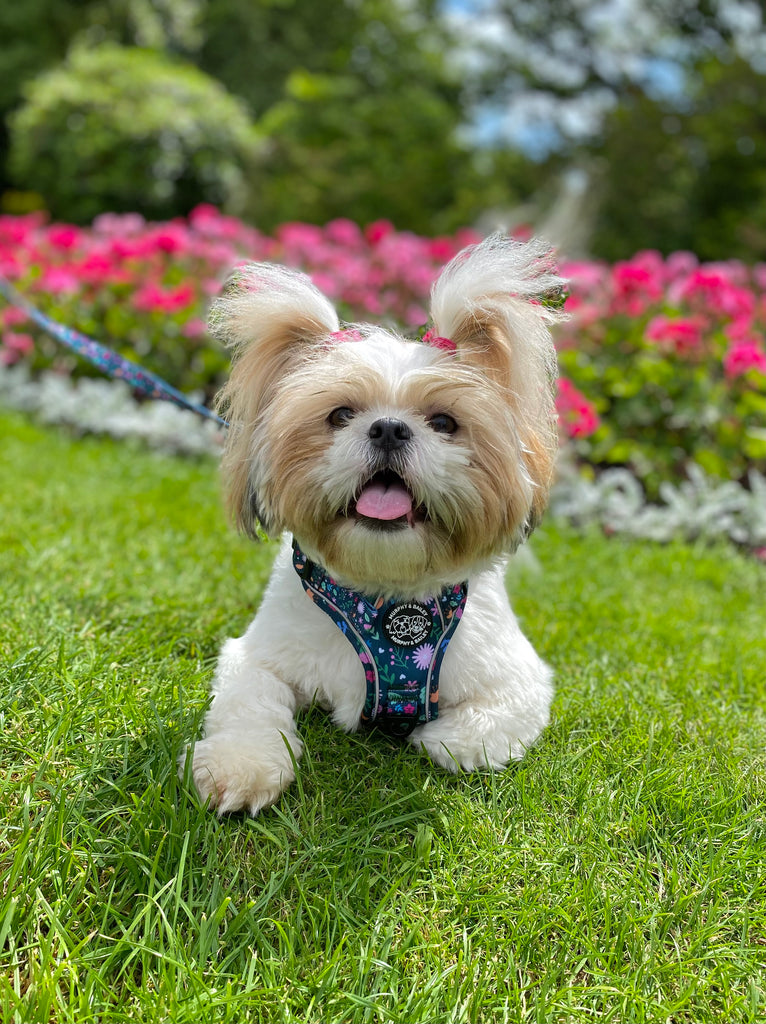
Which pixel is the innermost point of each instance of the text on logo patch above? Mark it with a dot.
(407, 625)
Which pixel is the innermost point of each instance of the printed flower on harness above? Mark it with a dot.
(422, 656)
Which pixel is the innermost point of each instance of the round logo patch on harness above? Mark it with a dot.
(408, 624)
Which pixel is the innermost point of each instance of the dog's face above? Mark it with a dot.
(398, 466)
(391, 464)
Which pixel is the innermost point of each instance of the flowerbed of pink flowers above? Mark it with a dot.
(662, 360)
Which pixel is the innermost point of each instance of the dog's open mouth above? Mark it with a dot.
(385, 503)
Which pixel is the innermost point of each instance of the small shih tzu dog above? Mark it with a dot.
(402, 473)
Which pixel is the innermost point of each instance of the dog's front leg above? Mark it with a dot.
(246, 758)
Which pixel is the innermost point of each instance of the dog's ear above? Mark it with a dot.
(491, 301)
(272, 318)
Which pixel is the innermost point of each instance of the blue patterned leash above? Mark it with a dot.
(105, 359)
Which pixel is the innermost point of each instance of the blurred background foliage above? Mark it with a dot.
(692, 175)
(645, 122)
(122, 128)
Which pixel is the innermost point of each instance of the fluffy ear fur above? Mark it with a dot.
(488, 301)
(271, 317)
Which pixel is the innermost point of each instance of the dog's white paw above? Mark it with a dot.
(232, 773)
(471, 738)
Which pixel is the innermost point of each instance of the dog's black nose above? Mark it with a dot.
(388, 434)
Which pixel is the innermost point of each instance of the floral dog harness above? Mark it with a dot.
(400, 644)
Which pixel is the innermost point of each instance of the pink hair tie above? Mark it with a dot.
(436, 341)
(346, 334)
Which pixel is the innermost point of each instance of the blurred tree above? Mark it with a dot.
(33, 36)
(254, 46)
(360, 107)
(128, 129)
(572, 60)
(661, 100)
(689, 174)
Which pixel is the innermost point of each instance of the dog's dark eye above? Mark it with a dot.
(443, 423)
(340, 417)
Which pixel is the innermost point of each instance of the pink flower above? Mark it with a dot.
(585, 276)
(717, 288)
(17, 230)
(169, 241)
(368, 301)
(204, 214)
(637, 284)
(415, 315)
(64, 236)
(583, 313)
(742, 357)
(682, 335)
(326, 283)
(466, 236)
(15, 347)
(378, 230)
(194, 328)
(578, 416)
(740, 329)
(119, 224)
(211, 286)
(98, 268)
(12, 316)
(59, 281)
(344, 232)
(299, 238)
(153, 298)
(679, 264)
(441, 249)
(206, 220)
(10, 265)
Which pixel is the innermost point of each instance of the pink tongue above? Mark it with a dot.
(384, 501)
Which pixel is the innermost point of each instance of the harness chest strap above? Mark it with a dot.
(400, 644)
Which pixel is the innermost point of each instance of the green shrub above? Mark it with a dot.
(124, 129)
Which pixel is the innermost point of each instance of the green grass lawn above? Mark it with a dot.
(617, 874)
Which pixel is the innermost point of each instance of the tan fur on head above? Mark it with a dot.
(488, 301)
(271, 317)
